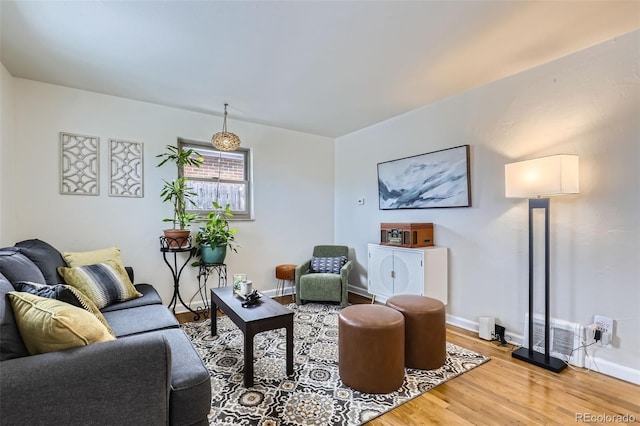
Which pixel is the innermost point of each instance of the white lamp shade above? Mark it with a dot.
(542, 177)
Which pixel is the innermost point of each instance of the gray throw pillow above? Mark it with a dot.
(46, 257)
(15, 266)
(11, 344)
(58, 292)
(327, 265)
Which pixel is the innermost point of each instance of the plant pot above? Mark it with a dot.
(177, 238)
(210, 254)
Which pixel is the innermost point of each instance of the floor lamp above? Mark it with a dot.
(537, 180)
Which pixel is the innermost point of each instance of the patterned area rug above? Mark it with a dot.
(314, 395)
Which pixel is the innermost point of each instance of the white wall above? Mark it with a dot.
(293, 174)
(587, 104)
(6, 134)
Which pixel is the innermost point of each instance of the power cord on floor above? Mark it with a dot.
(516, 347)
(500, 341)
(566, 361)
(586, 355)
(597, 335)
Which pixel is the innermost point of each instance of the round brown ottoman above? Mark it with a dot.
(425, 335)
(371, 348)
(285, 273)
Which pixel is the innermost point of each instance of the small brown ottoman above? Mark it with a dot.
(425, 334)
(371, 348)
(285, 273)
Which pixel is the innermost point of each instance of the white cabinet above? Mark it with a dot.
(397, 270)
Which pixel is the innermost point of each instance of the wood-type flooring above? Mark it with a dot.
(506, 391)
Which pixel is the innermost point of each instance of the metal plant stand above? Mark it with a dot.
(207, 269)
(171, 246)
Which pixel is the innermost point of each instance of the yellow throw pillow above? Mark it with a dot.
(104, 283)
(81, 258)
(49, 325)
(89, 306)
(64, 293)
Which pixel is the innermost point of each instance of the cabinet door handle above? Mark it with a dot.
(393, 274)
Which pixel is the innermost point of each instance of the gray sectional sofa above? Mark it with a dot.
(149, 375)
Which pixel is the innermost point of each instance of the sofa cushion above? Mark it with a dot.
(49, 325)
(81, 258)
(327, 265)
(149, 297)
(190, 399)
(104, 283)
(15, 266)
(46, 257)
(126, 322)
(11, 344)
(64, 293)
(321, 287)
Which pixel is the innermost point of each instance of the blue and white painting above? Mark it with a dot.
(436, 179)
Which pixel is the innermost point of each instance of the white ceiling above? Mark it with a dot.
(322, 67)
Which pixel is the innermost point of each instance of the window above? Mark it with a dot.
(224, 177)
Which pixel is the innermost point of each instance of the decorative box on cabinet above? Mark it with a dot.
(396, 270)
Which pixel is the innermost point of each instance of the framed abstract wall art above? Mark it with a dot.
(79, 164)
(126, 169)
(431, 180)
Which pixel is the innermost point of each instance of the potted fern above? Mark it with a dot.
(215, 236)
(179, 195)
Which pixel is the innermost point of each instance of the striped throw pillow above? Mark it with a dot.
(104, 283)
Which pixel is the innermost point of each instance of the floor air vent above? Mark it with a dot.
(564, 337)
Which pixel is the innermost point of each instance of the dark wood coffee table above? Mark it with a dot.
(266, 315)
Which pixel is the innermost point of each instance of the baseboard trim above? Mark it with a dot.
(515, 339)
(593, 363)
(359, 291)
(612, 369)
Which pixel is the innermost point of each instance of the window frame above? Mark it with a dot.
(248, 178)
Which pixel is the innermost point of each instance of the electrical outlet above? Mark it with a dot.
(605, 325)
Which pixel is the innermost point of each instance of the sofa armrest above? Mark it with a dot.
(301, 270)
(344, 277)
(125, 381)
(344, 271)
(129, 270)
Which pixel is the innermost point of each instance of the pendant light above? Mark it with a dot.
(225, 141)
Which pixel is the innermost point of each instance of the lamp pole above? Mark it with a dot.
(529, 354)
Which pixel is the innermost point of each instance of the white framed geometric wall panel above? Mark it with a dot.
(79, 164)
(126, 169)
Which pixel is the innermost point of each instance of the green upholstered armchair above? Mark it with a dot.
(324, 287)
